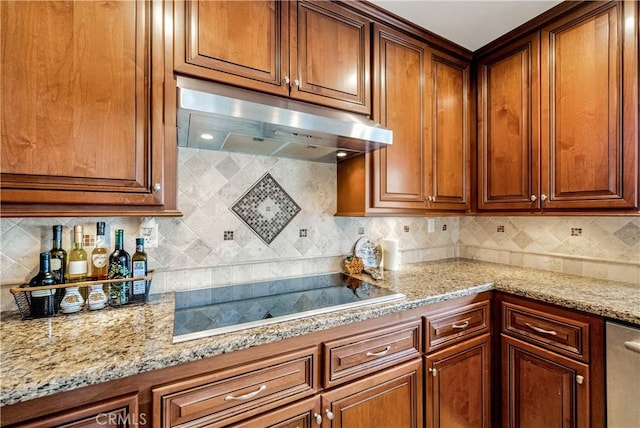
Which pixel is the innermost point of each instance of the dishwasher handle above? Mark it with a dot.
(633, 346)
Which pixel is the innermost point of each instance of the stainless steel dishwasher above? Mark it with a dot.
(623, 376)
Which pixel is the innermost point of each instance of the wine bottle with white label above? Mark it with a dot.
(78, 267)
(100, 255)
(139, 268)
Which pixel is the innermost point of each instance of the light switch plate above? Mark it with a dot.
(431, 225)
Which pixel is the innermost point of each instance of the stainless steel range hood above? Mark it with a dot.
(219, 117)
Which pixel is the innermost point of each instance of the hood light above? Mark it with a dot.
(341, 154)
(206, 136)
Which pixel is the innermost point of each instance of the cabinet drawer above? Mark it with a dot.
(358, 355)
(568, 336)
(445, 328)
(227, 396)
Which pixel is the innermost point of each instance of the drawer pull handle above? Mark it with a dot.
(579, 379)
(246, 396)
(632, 346)
(379, 354)
(541, 330)
(461, 325)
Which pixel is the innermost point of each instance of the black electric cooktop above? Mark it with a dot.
(217, 310)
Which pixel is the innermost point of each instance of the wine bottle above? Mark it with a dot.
(119, 267)
(100, 255)
(43, 301)
(58, 263)
(78, 267)
(139, 268)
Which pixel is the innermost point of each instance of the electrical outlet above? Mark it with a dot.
(149, 231)
(431, 225)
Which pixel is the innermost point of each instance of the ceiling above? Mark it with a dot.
(469, 23)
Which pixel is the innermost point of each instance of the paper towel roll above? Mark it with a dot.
(390, 254)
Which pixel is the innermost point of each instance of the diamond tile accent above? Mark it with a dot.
(266, 208)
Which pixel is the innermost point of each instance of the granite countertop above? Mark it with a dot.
(41, 357)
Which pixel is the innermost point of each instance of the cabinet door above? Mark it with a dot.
(244, 43)
(330, 57)
(82, 100)
(389, 399)
(541, 388)
(302, 414)
(458, 385)
(447, 150)
(508, 121)
(118, 412)
(401, 97)
(589, 87)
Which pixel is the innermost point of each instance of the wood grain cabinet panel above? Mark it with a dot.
(311, 51)
(119, 412)
(401, 94)
(558, 115)
(392, 398)
(302, 414)
(543, 389)
(447, 149)
(508, 121)
(355, 356)
(220, 398)
(421, 94)
(589, 87)
(568, 335)
(82, 127)
(458, 385)
(451, 326)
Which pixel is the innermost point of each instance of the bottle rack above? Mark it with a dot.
(22, 293)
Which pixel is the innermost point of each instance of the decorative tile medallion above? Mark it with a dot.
(266, 208)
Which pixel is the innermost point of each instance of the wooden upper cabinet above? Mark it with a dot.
(82, 109)
(330, 56)
(244, 43)
(508, 123)
(401, 103)
(589, 95)
(422, 95)
(448, 144)
(312, 51)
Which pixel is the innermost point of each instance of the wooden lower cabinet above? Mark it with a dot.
(303, 414)
(389, 399)
(541, 388)
(117, 412)
(458, 385)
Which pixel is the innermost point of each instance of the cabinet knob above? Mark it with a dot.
(286, 80)
(296, 83)
(579, 379)
(318, 418)
(533, 198)
(543, 197)
(329, 414)
(433, 371)
(157, 187)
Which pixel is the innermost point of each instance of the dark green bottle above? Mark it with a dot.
(43, 301)
(119, 267)
(58, 263)
(138, 269)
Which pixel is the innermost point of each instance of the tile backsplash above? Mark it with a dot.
(211, 245)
